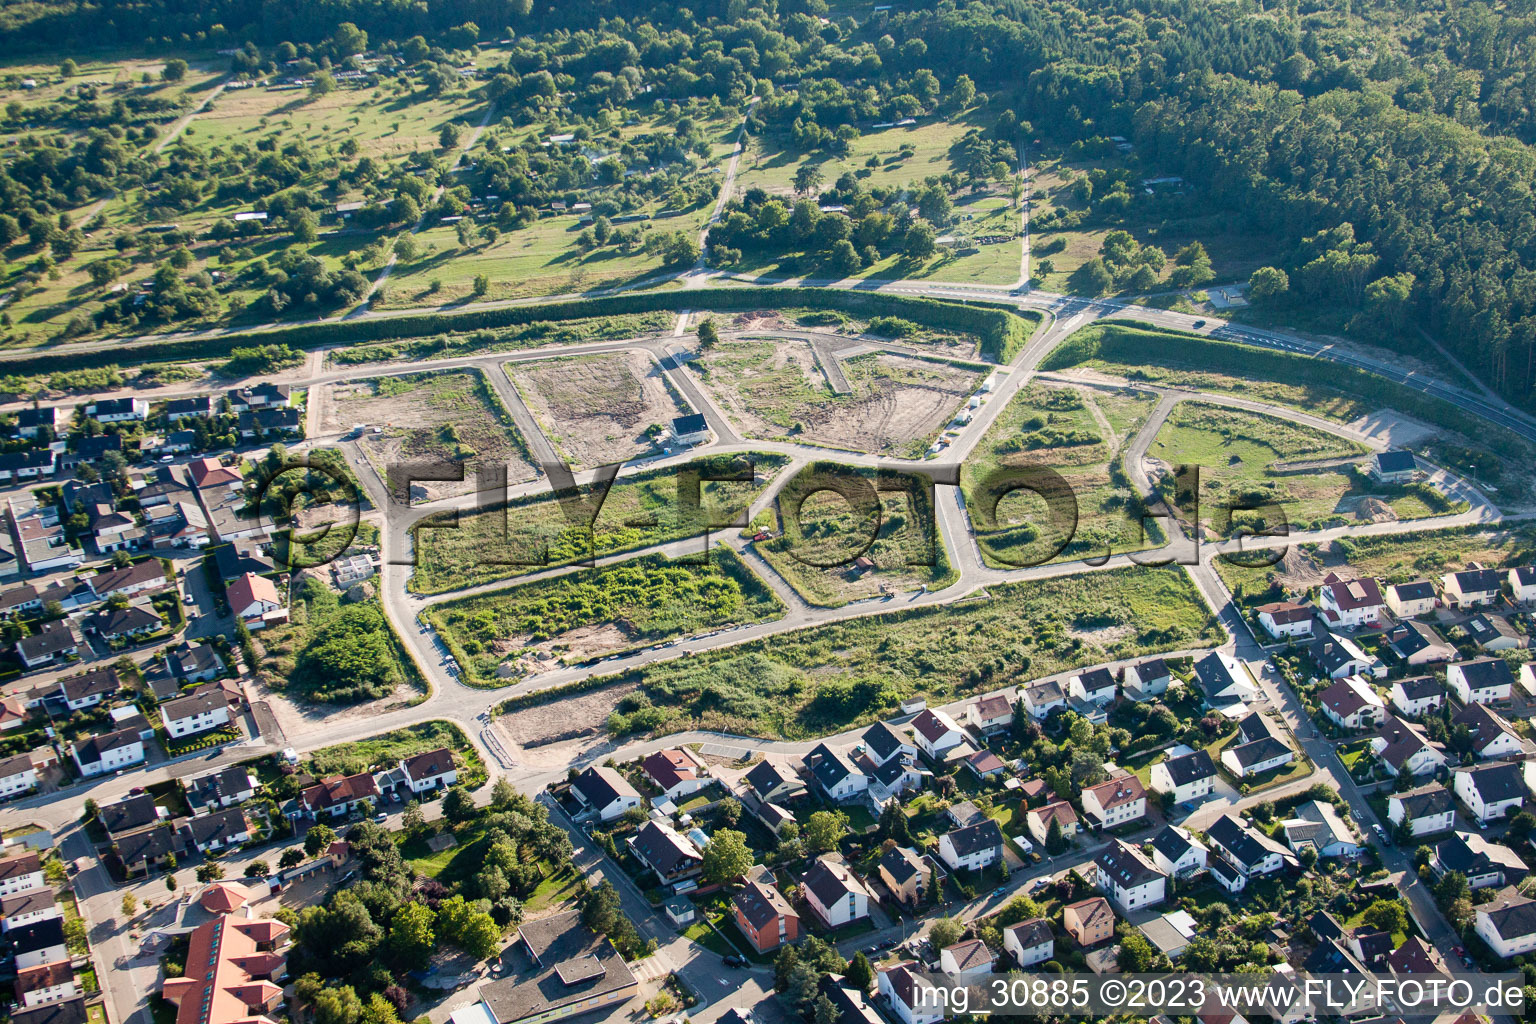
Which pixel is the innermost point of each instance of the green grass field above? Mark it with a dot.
(593, 612)
(530, 534)
(827, 678)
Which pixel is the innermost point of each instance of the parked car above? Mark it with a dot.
(381, 817)
(735, 961)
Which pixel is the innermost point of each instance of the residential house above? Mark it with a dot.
(1393, 466)
(254, 600)
(1428, 809)
(25, 907)
(89, 689)
(1507, 923)
(1247, 849)
(429, 771)
(1337, 657)
(986, 765)
(220, 830)
(1041, 698)
(676, 772)
(1260, 748)
(969, 957)
(204, 709)
(117, 410)
(604, 792)
(1495, 633)
(1097, 686)
(1187, 778)
(972, 848)
(882, 745)
(46, 983)
(905, 873)
(109, 752)
(559, 969)
(1417, 695)
(1177, 853)
(764, 915)
(1145, 680)
(1038, 820)
(1416, 644)
(52, 641)
(139, 578)
(27, 465)
(1481, 681)
(1285, 620)
(234, 972)
(41, 942)
(911, 998)
(1491, 735)
(1114, 802)
(835, 893)
(1522, 584)
(20, 872)
(1317, 825)
(1490, 791)
(1029, 942)
(124, 624)
(1405, 747)
(336, 796)
(129, 814)
(17, 775)
(990, 714)
(1350, 603)
(1352, 703)
(188, 663)
(1483, 863)
(1223, 680)
(831, 773)
(1471, 588)
(1089, 921)
(209, 474)
(259, 423)
(771, 783)
(666, 853)
(67, 1011)
(1412, 599)
(1128, 878)
(33, 421)
(225, 787)
(936, 733)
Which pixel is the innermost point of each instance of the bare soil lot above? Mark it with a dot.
(775, 388)
(561, 732)
(596, 409)
(443, 415)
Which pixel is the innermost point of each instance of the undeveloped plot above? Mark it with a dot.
(597, 409)
(775, 388)
(564, 731)
(449, 416)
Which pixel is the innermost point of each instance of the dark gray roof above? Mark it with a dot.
(761, 903)
(212, 788)
(1259, 751)
(91, 749)
(665, 850)
(1034, 932)
(1410, 637)
(200, 701)
(1171, 844)
(148, 845)
(1511, 914)
(825, 883)
(1495, 782)
(1484, 672)
(898, 865)
(1414, 590)
(827, 767)
(128, 814)
(1419, 687)
(882, 742)
(601, 786)
(28, 902)
(119, 621)
(217, 826)
(69, 1011)
(1478, 581)
(765, 777)
(690, 424)
(102, 681)
(1395, 461)
(984, 835)
(1239, 840)
(1125, 865)
(536, 987)
(54, 638)
(1190, 768)
(1472, 855)
(1424, 801)
(37, 935)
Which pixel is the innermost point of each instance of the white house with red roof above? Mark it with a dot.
(936, 733)
(1285, 619)
(209, 473)
(1350, 603)
(1115, 802)
(675, 772)
(254, 600)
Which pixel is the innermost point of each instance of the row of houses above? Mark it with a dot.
(1350, 603)
(33, 925)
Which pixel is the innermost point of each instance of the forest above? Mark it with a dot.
(1385, 147)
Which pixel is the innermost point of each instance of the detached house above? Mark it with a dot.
(764, 916)
(1089, 921)
(1482, 681)
(54, 640)
(1350, 604)
(838, 780)
(882, 745)
(1041, 698)
(1495, 633)
(90, 688)
(1146, 679)
(205, 708)
(990, 714)
(972, 848)
(1177, 853)
(905, 873)
(1029, 942)
(666, 853)
(1410, 600)
(1261, 748)
(109, 752)
(1128, 878)
(1483, 863)
(219, 830)
(1188, 778)
(1223, 680)
(20, 872)
(912, 999)
(1490, 791)
(1403, 747)
(1471, 588)
(336, 796)
(1038, 820)
(1418, 643)
(1522, 584)
(1318, 825)
(1352, 703)
(1507, 923)
(223, 788)
(1337, 657)
(429, 771)
(604, 792)
(254, 600)
(835, 893)
(936, 733)
(17, 775)
(1492, 736)
(1115, 802)
(1285, 620)
(1428, 809)
(1096, 686)
(1417, 696)
(1248, 850)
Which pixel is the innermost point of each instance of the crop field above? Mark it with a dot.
(528, 534)
(777, 389)
(441, 415)
(827, 678)
(598, 409)
(1081, 434)
(590, 613)
(816, 552)
(1250, 458)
